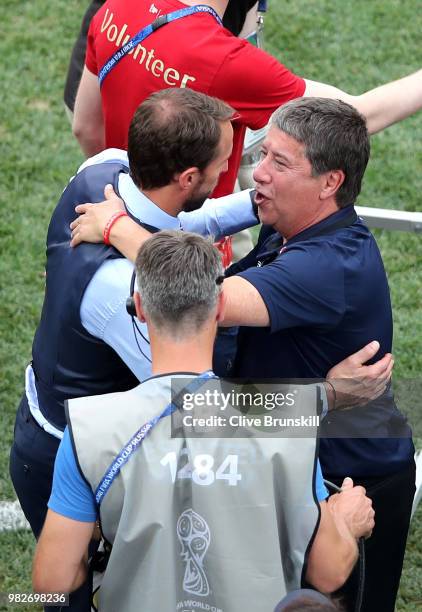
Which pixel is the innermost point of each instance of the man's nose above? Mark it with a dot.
(261, 174)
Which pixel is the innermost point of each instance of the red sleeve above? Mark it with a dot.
(90, 57)
(255, 84)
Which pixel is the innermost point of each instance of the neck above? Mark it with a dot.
(165, 198)
(288, 231)
(218, 5)
(191, 355)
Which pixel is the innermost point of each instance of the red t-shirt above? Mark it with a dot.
(195, 52)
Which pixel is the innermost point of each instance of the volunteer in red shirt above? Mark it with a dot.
(197, 51)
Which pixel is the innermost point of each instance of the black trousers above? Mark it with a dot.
(392, 499)
(31, 469)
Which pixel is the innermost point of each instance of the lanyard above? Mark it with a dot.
(136, 440)
(149, 29)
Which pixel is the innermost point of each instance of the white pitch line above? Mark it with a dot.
(418, 494)
(11, 517)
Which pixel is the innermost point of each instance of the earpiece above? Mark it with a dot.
(130, 307)
(130, 302)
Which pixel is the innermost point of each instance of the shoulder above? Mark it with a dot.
(159, 387)
(321, 254)
(104, 415)
(316, 256)
(87, 185)
(257, 75)
(312, 264)
(307, 268)
(103, 10)
(89, 406)
(240, 51)
(107, 156)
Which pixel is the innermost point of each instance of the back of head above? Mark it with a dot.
(172, 130)
(309, 600)
(335, 137)
(178, 276)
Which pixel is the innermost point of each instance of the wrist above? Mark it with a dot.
(341, 520)
(331, 394)
(127, 237)
(110, 225)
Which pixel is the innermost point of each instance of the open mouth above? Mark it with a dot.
(260, 198)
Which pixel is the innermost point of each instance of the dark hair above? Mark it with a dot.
(178, 276)
(335, 137)
(172, 130)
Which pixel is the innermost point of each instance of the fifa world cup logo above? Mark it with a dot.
(194, 536)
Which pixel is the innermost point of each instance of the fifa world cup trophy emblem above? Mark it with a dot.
(194, 536)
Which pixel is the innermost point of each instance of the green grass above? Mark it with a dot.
(355, 45)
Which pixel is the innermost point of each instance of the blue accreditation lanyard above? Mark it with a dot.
(136, 440)
(149, 29)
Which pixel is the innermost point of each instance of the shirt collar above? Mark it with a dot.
(142, 207)
(273, 244)
(326, 225)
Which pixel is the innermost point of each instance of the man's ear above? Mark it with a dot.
(221, 305)
(332, 182)
(189, 178)
(138, 307)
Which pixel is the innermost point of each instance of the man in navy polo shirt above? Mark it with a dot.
(318, 291)
(312, 292)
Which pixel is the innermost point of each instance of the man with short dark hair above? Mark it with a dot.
(188, 127)
(85, 342)
(212, 526)
(312, 291)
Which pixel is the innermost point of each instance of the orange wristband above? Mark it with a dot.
(110, 223)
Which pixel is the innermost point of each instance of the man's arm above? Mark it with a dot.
(345, 517)
(381, 106)
(60, 562)
(217, 218)
(244, 304)
(127, 237)
(88, 122)
(61, 557)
